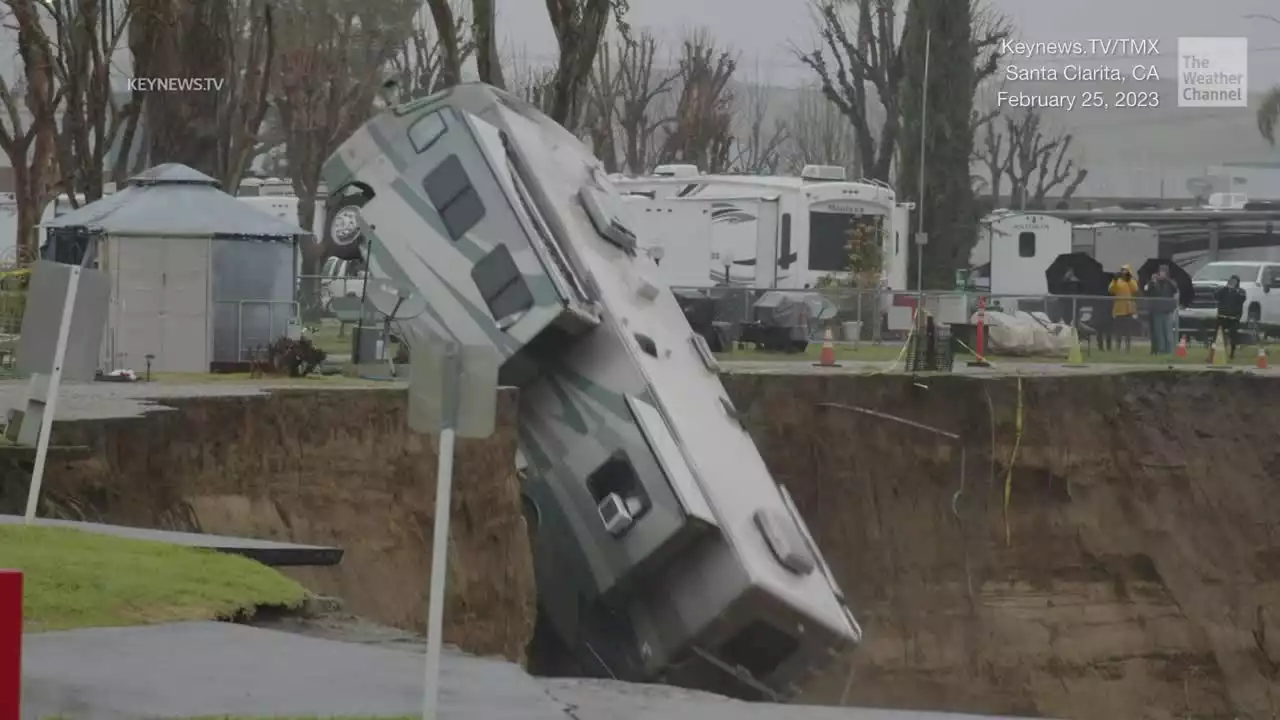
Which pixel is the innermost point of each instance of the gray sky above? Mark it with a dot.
(763, 31)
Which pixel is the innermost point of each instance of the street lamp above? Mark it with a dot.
(656, 253)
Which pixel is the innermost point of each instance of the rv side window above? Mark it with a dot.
(897, 242)
(502, 287)
(784, 256)
(424, 132)
(1027, 244)
(617, 476)
(450, 190)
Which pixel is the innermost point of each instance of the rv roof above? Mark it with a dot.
(769, 181)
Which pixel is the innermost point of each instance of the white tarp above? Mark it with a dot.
(1023, 333)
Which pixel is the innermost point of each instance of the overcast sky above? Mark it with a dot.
(765, 30)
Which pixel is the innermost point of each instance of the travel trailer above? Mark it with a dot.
(1115, 245)
(1016, 248)
(766, 232)
(663, 547)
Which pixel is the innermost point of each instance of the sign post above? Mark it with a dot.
(63, 324)
(452, 392)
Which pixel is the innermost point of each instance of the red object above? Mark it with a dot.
(828, 356)
(1181, 350)
(1262, 358)
(10, 643)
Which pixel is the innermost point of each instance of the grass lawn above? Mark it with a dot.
(76, 579)
(308, 717)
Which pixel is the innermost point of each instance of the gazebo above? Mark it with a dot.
(198, 277)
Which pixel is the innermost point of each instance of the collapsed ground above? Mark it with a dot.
(1134, 572)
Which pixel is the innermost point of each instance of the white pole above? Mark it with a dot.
(51, 394)
(439, 568)
(924, 121)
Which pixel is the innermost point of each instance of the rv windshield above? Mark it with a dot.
(1221, 272)
(830, 235)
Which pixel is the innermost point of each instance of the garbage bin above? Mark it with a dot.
(367, 343)
(851, 331)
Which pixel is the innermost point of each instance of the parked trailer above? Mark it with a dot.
(1115, 245)
(664, 549)
(774, 232)
(1015, 249)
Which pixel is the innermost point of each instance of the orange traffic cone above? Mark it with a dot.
(828, 356)
(1181, 350)
(1262, 358)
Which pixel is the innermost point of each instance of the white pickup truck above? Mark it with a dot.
(1261, 284)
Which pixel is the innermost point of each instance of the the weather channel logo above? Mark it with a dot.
(1213, 72)
(175, 84)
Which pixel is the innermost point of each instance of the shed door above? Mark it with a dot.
(163, 293)
(185, 313)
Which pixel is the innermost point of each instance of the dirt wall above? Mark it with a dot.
(332, 467)
(1140, 573)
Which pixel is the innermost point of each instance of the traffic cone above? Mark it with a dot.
(1262, 357)
(1181, 350)
(1074, 356)
(828, 356)
(1217, 351)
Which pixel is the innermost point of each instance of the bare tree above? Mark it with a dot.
(485, 32)
(418, 64)
(638, 88)
(531, 81)
(702, 132)
(865, 80)
(819, 134)
(330, 60)
(1038, 161)
(579, 26)
(27, 127)
(761, 136)
(82, 37)
(992, 149)
(600, 122)
(232, 43)
(448, 37)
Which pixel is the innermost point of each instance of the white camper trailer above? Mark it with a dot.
(1019, 247)
(663, 547)
(784, 232)
(1115, 245)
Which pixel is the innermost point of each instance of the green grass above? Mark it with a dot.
(309, 717)
(77, 579)
(1246, 356)
(201, 378)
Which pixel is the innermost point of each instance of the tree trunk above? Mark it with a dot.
(485, 34)
(450, 72)
(27, 245)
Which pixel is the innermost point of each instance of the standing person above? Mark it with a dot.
(1163, 292)
(1230, 307)
(1124, 313)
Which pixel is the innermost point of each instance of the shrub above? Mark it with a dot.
(294, 358)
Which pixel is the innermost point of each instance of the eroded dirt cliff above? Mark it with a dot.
(1139, 575)
(1135, 574)
(317, 466)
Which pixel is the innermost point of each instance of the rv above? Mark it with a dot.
(664, 550)
(1115, 245)
(765, 232)
(1014, 250)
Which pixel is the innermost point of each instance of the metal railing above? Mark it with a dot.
(868, 315)
(317, 292)
(242, 327)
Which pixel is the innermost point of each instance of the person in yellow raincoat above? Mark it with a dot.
(1124, 315)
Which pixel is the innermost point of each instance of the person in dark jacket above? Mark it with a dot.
(1163, 292)
(1230, 308)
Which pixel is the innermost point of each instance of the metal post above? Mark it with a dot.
(440, 536)
(51, 394)
(924, 121)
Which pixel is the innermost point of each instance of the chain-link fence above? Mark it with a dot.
(853, 316)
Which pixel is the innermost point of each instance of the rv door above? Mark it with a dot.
(767, 244)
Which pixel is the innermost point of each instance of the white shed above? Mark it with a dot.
(193, 270)
(1018, 248)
